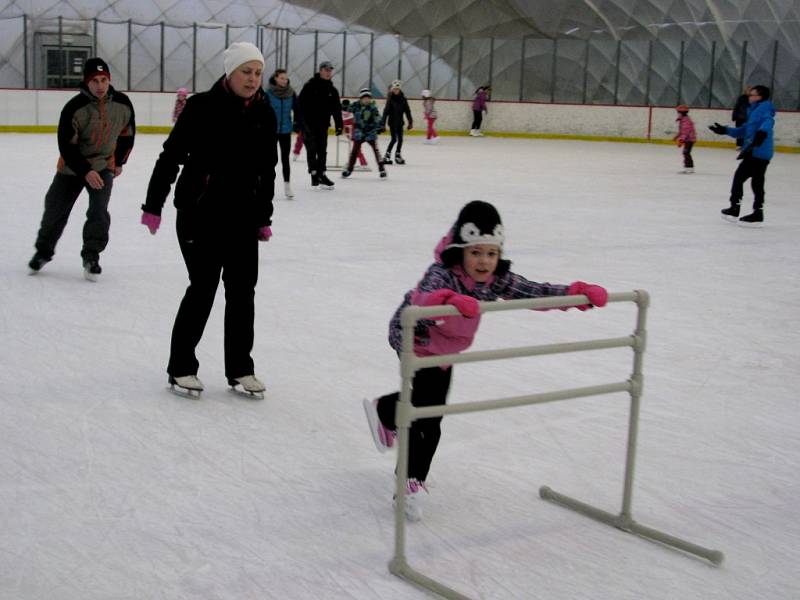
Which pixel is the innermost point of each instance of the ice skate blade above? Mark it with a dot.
(184, 392)
(748, 225)
(245, 394)
(730, 219)
(90, 276)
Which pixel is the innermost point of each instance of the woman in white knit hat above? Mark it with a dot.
(225, 141)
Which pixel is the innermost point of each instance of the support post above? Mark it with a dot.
(711, 75)
(130, 54)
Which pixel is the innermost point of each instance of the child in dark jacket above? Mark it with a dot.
(394, 111)
(468, 268)
(366, 125)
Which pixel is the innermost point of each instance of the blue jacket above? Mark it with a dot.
(284, 108)
(760, 117)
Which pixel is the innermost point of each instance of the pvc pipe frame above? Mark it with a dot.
(406, 413)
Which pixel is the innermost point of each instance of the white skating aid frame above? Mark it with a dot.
(406, 413)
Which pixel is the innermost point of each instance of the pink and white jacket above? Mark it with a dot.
(450, 335)
(686, 131)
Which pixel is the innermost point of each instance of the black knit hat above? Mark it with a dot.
(477, 223)
(95, 67)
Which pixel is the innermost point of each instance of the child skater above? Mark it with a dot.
(686, 137)
(348, 121)
(180, 102)
(393, 112)
(366, 124)
(429, 112)
(468, 268)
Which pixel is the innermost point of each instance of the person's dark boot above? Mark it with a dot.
(754, 219)
(731, 214)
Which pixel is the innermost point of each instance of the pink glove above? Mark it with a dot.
(466, 305)
(151, 221)
(264, 233)
(597, 295)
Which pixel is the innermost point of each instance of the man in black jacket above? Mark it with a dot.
(319, 101)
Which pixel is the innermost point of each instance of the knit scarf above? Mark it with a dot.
(281, 92)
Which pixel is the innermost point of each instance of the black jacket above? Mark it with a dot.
(228, 165)
(319, 101)
(396, 107)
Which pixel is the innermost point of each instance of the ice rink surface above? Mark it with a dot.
(113, 488)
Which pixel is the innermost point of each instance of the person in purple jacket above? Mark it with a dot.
(478, 108)
(468, 268)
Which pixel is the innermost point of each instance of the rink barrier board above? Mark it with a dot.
(406, 413)
(158, 129)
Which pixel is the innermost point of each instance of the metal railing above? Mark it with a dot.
(406, 413)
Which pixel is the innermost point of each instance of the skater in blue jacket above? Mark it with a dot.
(757, 150)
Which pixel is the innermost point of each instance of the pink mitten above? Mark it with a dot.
(151, 221)
(264, 233)
(597, 295)
(466, 305)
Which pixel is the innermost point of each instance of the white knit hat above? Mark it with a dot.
(239, 53)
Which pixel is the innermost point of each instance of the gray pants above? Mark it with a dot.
(58, 203)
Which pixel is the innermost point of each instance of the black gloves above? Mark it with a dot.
(759, 138)
(338, 131)
(718, 129)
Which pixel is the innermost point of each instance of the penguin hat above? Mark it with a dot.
(478, 223)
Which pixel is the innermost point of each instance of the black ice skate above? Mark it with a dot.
(189, 386)
(346, 173)
(755, 219)
(251, 386)
(314, 182)
(325, 183)
(387, 160)
(383, 174)
(731, 214)
(91, 269)
(399, 159)
(36, 263)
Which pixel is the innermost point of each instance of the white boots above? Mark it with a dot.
(287, 190)
(475, 133)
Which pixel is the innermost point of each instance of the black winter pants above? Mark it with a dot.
(396, 129)
(754, 169)
(688, 163)
(357, 150)
(284, 143)
(316, 142)
(477, 119)
(429, 388)
(58, 203)
(210, 250)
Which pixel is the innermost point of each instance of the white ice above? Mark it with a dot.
(113, 488)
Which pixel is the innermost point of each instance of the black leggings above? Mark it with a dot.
(396, 130)
(429, 388)
(285, 143)
(477, 119)
(754, 169)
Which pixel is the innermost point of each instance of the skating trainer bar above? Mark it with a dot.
(406, 413)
